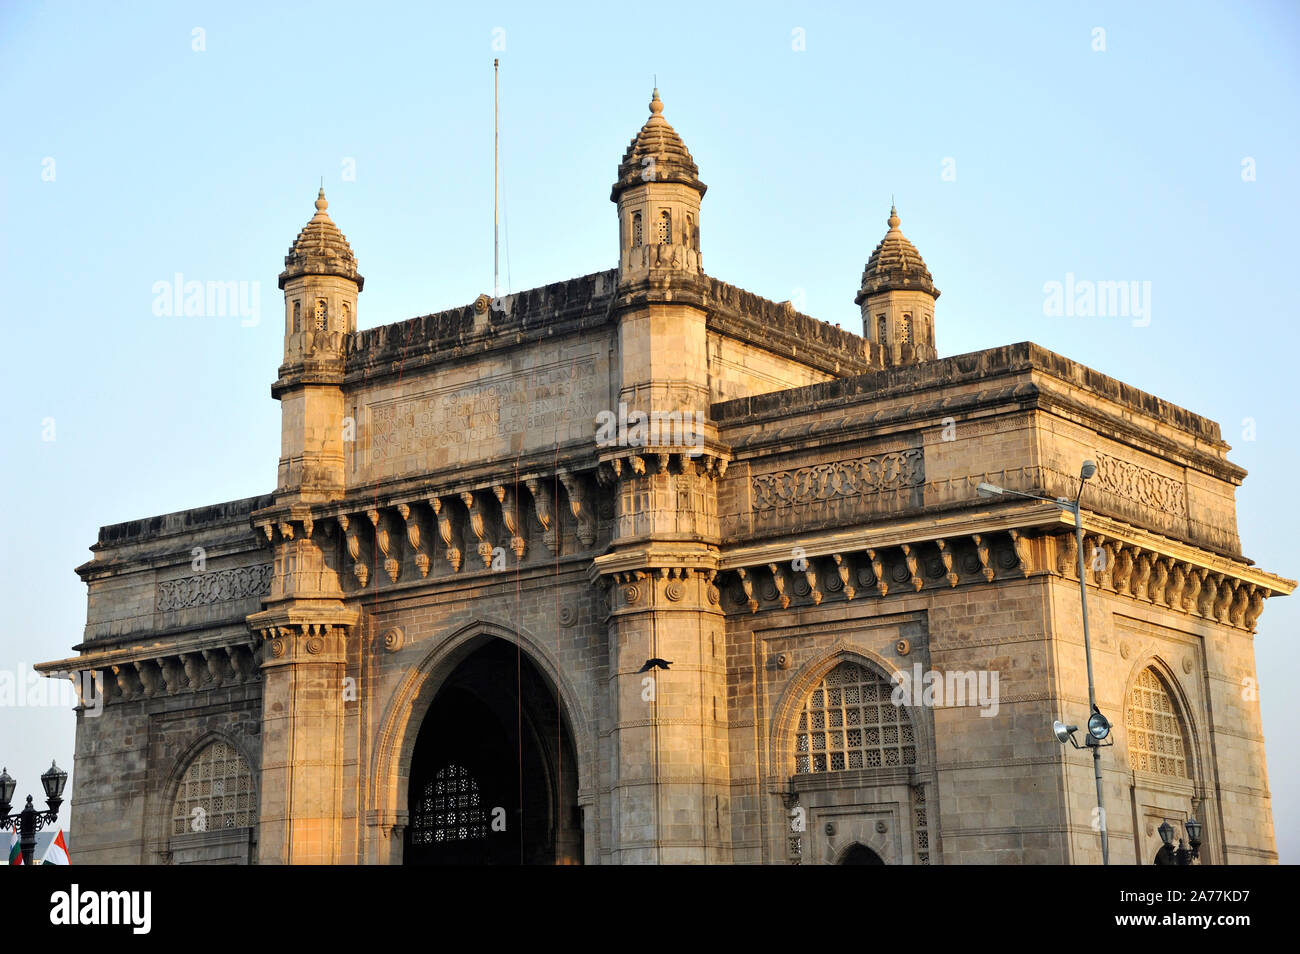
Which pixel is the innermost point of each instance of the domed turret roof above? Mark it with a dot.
(659, 142)
(321, 249)
(895, 265)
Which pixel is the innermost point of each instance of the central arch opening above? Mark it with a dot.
(494, 775)
(860, 854)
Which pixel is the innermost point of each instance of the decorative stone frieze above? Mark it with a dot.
(1141, 485)
(896, 470)
(214, 586)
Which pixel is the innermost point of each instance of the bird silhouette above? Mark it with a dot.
(655, 663)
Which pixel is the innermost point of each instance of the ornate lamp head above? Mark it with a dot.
(1166, 833)
(53, 781)
(7, 786)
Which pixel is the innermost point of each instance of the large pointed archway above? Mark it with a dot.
(494, 775)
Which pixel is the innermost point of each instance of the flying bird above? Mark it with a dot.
(655, 663)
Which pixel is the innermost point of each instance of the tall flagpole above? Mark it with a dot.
(496, 178)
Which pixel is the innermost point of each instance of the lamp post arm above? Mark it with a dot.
(1021, 493)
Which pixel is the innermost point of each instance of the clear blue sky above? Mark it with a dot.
(1119, 165)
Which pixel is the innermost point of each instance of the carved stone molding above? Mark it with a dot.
(134, 678)
(1132, 570)
(880, 572)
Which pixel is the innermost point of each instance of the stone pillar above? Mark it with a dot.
(670, 793)
(303, 631)
(302, 744)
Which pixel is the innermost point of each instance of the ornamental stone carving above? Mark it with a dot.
(1141, 485)
(215, 586)
(845, 478)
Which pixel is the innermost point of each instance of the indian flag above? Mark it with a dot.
(57, 851)
(15, 850)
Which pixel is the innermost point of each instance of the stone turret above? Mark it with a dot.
(304, 623)
(658, 194)
(897, 298)
(321, 284)
(663, 555)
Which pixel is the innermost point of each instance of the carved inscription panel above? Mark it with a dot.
(499, 414)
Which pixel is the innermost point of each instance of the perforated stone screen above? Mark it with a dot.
(216, 792)
(849, 722)
(1155, 739)
(449, 809)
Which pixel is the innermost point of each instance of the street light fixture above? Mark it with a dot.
(1065, 733)
(29, 821)
(1098, 725)
(1183, 855)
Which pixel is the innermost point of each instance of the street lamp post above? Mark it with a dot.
(29, 821)
(1098, 726)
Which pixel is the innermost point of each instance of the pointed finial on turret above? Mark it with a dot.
(656, 105)
(321, 204)
(894, 220)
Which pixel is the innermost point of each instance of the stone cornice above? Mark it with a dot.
(981, 546)
(455, 522)
(233, 513)
(655, 557)
(991, 369)
(166, 667)
(920, 529)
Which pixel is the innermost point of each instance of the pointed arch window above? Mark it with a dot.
(1155, 734)
(322, 315)
(636, 229)
(906, 336)
(450, 809)
(215, 792)
(297, 316)
(881, 326)
(688, 239)
(850, 722)
(665, 227)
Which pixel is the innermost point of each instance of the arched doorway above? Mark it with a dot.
(494, 774)
(859, 854)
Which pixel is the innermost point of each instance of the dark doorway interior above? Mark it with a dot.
(494, 776)
(860, 855)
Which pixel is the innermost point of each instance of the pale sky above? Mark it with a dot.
(1017, 152)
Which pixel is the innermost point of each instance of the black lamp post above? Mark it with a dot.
(29, 821)
(1182, 855)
